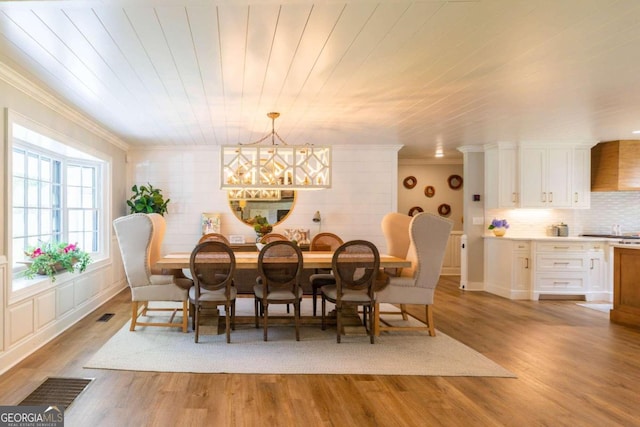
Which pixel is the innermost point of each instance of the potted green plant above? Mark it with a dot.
(50, 258)
(147, 199)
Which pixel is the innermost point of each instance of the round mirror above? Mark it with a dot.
(274, 205)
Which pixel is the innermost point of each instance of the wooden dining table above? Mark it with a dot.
(249, 260)
(176, 261)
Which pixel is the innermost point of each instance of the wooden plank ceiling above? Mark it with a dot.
(424, 74)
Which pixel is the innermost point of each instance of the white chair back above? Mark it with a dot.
(134, 233)
(429, 237)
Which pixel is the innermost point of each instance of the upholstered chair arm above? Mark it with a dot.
(405, 282)
(161, 279)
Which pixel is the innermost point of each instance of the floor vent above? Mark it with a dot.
(56, 391)
(106, 317)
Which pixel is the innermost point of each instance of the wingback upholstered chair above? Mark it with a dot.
(140, 239)
(428, 235)
(395, 227)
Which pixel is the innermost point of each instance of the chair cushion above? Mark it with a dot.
(322, 279)
(276, 295)
(212, 296)
(164, 292)
(331, 292)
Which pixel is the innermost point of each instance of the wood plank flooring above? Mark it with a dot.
(574, 368)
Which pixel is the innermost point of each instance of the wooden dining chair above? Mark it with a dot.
(355, 266)
(272, 237)
(322, 277)
(279, 266)
(213, 282)
(216, 237)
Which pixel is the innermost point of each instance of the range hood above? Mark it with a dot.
(615, 166)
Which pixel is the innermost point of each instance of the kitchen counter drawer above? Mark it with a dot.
(563, 246)
(558, 283)
(560, 262)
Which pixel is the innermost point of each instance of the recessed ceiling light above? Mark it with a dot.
(636, 131)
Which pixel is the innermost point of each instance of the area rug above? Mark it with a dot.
(394, 353)
(603, 307)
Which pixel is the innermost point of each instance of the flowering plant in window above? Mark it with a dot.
(49, 258)
(498, 223)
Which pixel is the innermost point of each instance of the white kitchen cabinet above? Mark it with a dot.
(507, 267)
(600, 285)
(546, 176)
(570, 268)
(501, 176)
(534, 175)
(581, 183)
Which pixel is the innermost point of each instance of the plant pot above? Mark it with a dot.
(499, 231)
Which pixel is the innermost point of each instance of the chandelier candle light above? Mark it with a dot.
(274, 166)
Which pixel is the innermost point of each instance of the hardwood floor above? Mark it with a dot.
(574, 368)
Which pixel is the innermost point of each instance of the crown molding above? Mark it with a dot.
(29, 88)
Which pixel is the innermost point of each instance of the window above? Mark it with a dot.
(57, 193)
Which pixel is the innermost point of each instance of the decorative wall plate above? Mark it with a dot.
(414, 210)
(455, 182)
(429, 191)
(444, 209)
(410, 182)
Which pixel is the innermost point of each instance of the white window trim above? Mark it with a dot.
(23, 287)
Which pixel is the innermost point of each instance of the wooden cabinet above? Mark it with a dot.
(510, 275)
(614, 166)
(626, 286)
(537, 176)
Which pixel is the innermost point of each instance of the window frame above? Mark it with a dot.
(20, 286)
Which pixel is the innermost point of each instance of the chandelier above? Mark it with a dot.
(274, 166)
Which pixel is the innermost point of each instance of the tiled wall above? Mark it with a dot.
(606, 209)
(364, 189)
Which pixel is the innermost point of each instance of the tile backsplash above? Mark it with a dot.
(607, 208)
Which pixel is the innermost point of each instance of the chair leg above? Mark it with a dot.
(324, 308)
(233, 315)
(197, 323)
(296, 314)
(432, 329)
(255, 305)
(134, 315)
(185, 316)
(314, 292)
(192, 315)
(376, 319)
(403, 310)
(265, 317)
(338, 322)
(371, 334)
(227, 318)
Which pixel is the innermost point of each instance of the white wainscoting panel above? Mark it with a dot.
(45, 308)
(20, 321)
(452, 257)
(64, 299)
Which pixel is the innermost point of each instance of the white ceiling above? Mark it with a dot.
(419, 73)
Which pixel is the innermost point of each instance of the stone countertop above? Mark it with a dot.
(558, 239)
